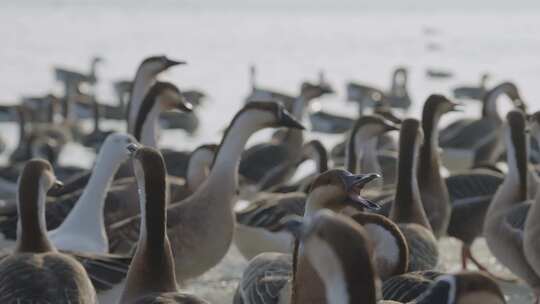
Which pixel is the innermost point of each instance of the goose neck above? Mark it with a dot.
(141, 85)
(31, 227)
(429, 157)
(148, 132)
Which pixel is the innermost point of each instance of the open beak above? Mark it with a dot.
(354, 184)
(132, 148)
(288, 121)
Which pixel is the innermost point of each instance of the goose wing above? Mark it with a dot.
(267, 211)
(260, 159)
(471, 135)
(472, 188)
(407, 287)
(515, 218)
(104, 270)
(264, 279)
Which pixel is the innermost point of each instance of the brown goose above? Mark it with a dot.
(43, 273)
(407, 210)
(202, 225)
(151, 277)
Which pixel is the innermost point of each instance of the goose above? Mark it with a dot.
(151, 277)
(385, 142)
(43, 273)
(267, 165)
(84, 229)
(145, 77)
(407, 210)
(202, 225)
(363, 155)
(506, 215)
(59, 207)
(479, 141)
(434, 193)
(472, 92)
(72, 81)
(337, 247)
(267, 274)
(253, 232)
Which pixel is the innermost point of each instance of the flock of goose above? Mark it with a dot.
(363, 228)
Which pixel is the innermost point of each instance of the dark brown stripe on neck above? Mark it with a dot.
(516, 120)
(33, 237)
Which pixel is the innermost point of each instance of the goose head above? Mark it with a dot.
(270, 115)
(463, 288)
(337, 188)
(439, 104)
(169, 97)
(114, 146)
(41, 172)
(368, 127)
(154, 65)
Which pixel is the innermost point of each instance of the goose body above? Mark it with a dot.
(43, 274)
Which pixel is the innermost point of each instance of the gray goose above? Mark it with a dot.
(479, 141)
(202, 225)
(407, 210)
(43, 273)
(151, 277)
(506, 217)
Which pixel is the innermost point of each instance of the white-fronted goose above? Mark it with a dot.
(506, 216)
(479, 141)
(43, 273)
(151, 277)
(201, 227)
(407, 209)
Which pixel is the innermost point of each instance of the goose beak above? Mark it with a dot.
(184, 106)
(132, 148)
(354, 184)
(457, 107)
(170, 62)
(288, 121)
(58, 185)
(389, 128)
